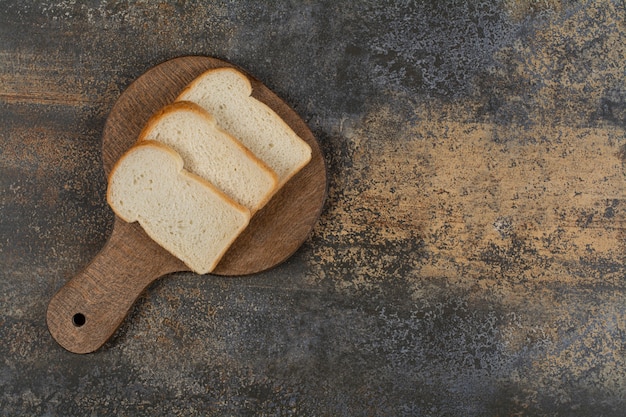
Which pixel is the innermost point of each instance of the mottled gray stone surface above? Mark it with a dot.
(470, 259)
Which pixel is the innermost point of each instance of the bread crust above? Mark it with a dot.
(182, 170)
(194, 83)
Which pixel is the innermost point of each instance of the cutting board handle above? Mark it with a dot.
(90, 307)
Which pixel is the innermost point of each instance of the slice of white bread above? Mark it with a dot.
(226, 94)
(182, 212)
(213, 154)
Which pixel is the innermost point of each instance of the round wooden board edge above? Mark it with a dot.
(227, 266)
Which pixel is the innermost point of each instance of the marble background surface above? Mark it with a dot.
(470, 259)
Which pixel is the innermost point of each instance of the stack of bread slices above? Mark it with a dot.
(203, 165)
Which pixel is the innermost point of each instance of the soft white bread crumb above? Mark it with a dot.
(213, 154)
(225, 93)
(182, 212)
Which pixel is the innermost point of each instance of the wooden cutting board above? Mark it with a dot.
(85, 312)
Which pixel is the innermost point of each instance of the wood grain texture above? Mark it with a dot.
(91, 306)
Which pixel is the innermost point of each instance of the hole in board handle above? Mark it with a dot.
(79, 319)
